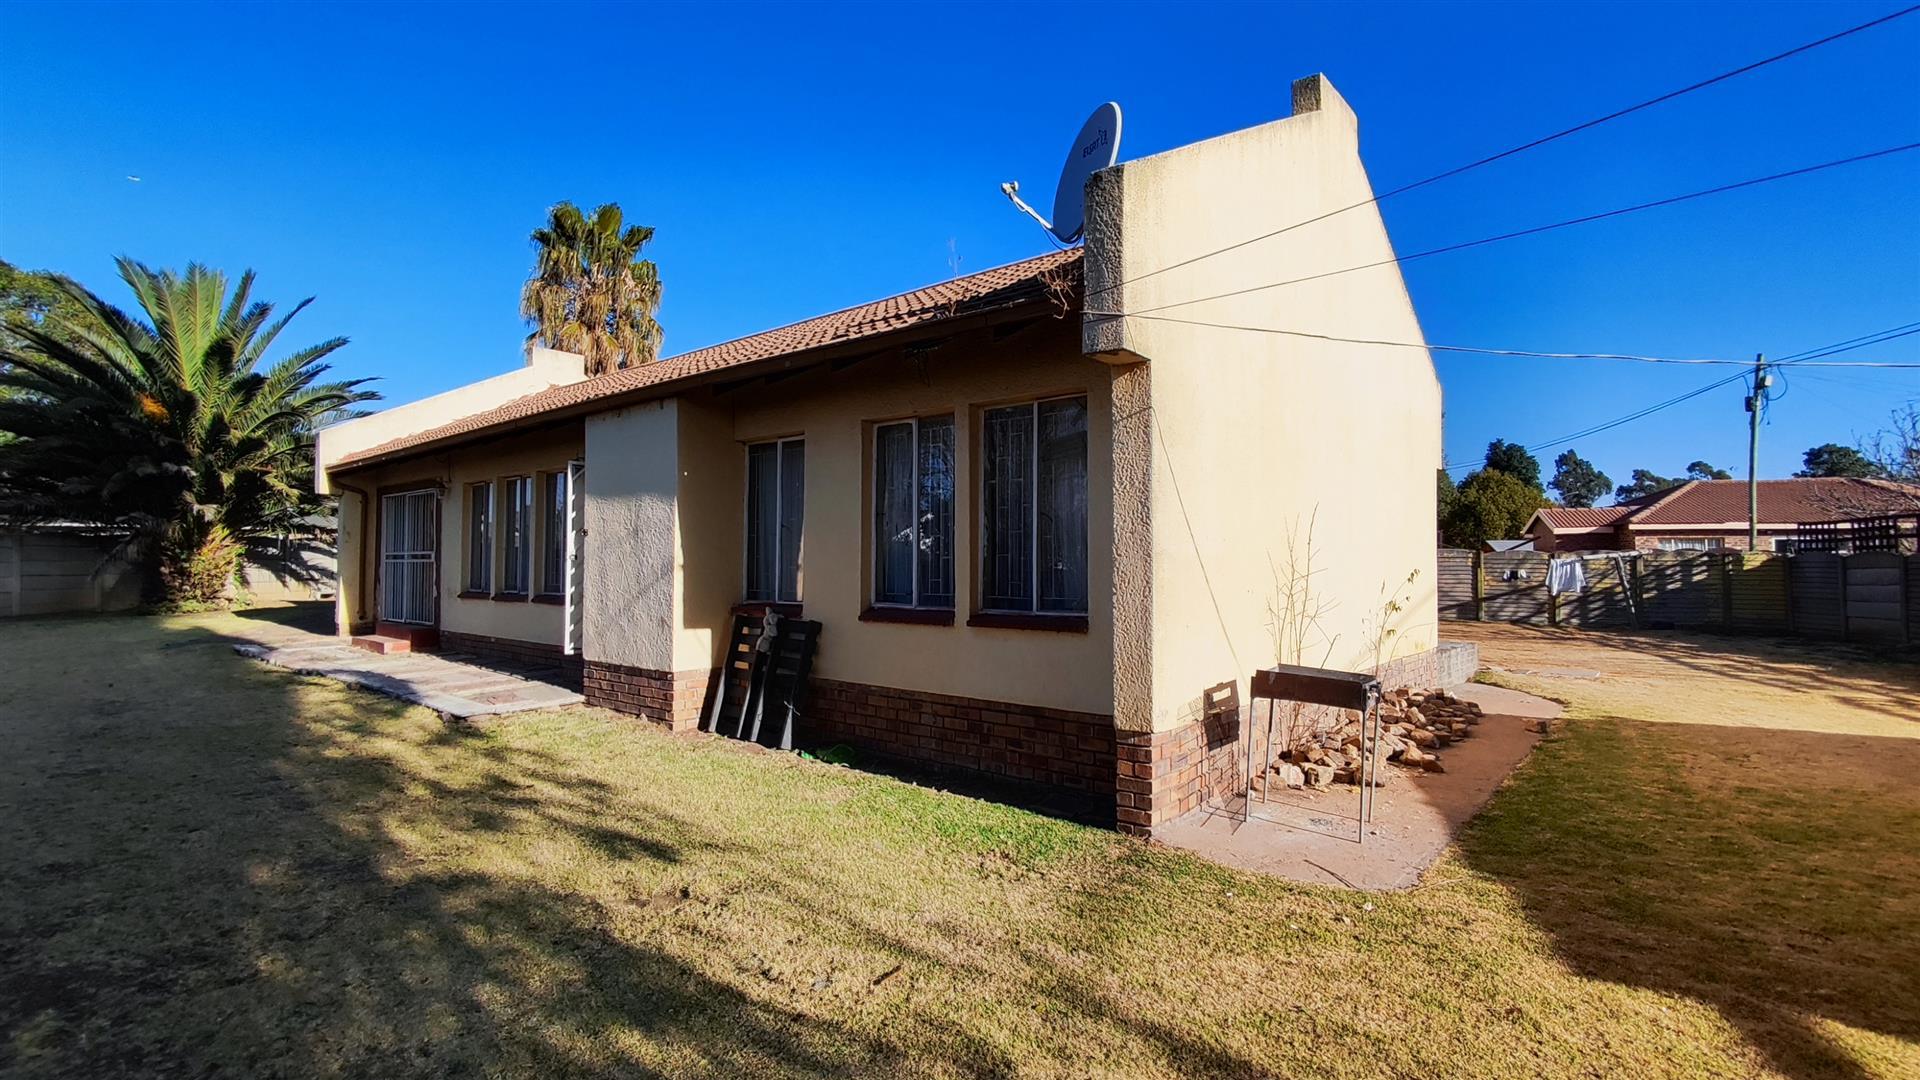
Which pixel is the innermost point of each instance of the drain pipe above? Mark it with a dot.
(360, 595)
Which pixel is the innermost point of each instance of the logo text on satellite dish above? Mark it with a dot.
(1096, 147)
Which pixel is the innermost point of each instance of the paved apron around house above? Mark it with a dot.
(438, 682)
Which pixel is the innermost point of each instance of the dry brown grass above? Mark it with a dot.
(216, 868)
(1708, 678)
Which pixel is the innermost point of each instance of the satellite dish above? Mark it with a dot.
(1096, 147)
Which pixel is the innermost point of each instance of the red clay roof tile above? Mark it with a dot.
(1030, 280)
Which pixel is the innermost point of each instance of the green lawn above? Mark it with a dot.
(217, 868)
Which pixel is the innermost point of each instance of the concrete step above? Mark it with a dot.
(382, 644)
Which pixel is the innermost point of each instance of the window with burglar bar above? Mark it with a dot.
(517, 527)
(553, 534)
(913, 513)
(480, 536)
(1033, 486)
(776, 504)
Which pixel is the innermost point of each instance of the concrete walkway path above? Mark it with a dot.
(438, 681)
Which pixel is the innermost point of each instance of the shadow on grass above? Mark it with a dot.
(312, 616)
(206, 878)
(1772, 874)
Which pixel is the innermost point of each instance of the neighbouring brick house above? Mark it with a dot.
(1040, 534)
(1711, 515)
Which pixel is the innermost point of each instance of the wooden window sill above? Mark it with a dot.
(511, 597)
(549, 598)
(912, 616)
(1021, 620)
(475, 594)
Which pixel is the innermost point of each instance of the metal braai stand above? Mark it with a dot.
(1318, 686)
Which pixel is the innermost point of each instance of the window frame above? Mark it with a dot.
(1032, 615)
(504, 524)
(779, 512)
(552, 499)
(1691, 543)
(913, 487)
(480, 526)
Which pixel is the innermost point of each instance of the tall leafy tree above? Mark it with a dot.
(591, 292)
(1645, 482)
(1700, 470)
(1514, 460)
(33, 298)
(1491, 504)
(1895, 450)
(1832, 459)
(1578, 481)
(173, 428)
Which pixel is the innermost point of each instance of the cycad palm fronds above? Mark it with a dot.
(169, 428)
(591, 292)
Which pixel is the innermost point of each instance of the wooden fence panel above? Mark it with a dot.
(1680, 589)
(1814, 578)
(1456, 585)
(1758, 599)
(1514, 586)
(9, 574)
(1605, 601)
(1913, 598)
(57, 572)
(1874, 595)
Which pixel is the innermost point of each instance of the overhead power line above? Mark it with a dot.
(1849, 345)
(1583, 220)
(1793, 359)
(1542, 141)
(1524, 353)
(1617, 421)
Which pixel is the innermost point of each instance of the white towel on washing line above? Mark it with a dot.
(1566, 577)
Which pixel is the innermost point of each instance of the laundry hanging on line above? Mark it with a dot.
(1566, 577)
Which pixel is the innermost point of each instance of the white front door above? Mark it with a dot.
(576, 552)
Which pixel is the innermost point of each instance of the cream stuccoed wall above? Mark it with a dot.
(665, 488)
(835, 412)
(666, 492)
(1247, 446)
(632, 593)
(450, 474)
(543, 368)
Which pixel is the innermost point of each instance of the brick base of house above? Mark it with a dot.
(1166, 774)
(672, 699)
(1057, 747)
(513, 651)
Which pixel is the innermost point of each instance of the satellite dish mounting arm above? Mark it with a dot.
(1011, 189)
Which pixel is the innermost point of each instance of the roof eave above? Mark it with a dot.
(975, 320)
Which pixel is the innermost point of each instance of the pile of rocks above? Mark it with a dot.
(1414, 726)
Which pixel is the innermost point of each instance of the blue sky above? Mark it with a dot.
(391, 159)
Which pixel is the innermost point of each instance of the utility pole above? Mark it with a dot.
(1761, 380)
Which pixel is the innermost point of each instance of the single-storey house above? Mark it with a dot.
(1045, 513)
(1711, 515)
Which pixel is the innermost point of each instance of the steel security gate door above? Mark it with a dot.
(574, 619)
(409, 546)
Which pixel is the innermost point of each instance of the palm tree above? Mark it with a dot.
(591, 292)
(168, 430)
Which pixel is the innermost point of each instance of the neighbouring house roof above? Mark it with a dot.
(1801, 500)
(1509, 545)
(1050, 277)
(1797, 501)
(1582, 517)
